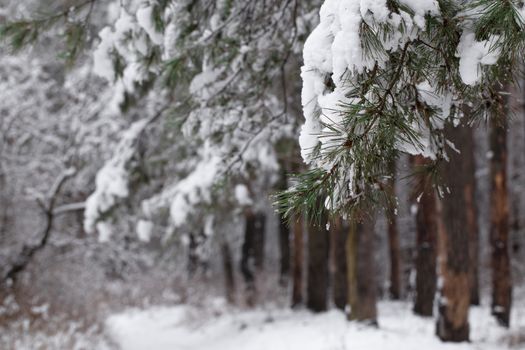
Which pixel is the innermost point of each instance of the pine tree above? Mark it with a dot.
(390, 84)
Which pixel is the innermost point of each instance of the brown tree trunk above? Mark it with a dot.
(362, 288)
(426, 240)
(284, 236)
(317, 279)
(284, 247)
(351, 270)
(298, 258)
(252, 252)
(338, 233)
(469, 191)
(499, 216)
(229, 279)
(393, 241)
(452, 324)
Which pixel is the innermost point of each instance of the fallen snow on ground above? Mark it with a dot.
(219, 328)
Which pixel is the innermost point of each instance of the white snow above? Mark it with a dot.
(144, 230)
(242, 195)
(112, 181)
(109, 40)
(145, 20)
(472, 54)
(194, 189)
(216, 327)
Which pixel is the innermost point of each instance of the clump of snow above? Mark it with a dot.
(109, 41)
(112, 181)
(242, 195)
(473, 54)
(145, 20)
(144, 230)
(194, 189)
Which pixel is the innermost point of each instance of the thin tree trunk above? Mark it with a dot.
(393, 241)
(499, 217)
(252, 252)
(229, 279)
(338, 233)
(284, 236)
(259, 232)
(426, 241)
(284, 247)
(469, 191)
(298, 258)
(351, 270)
(452, 324)
(361, 267)
(317, 279)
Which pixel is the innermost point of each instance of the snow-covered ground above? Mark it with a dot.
(217, 327)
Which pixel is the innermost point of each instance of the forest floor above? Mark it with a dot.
(218, 327)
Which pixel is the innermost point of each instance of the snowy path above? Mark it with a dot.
(189, 328)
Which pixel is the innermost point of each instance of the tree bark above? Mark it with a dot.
(351, 270)
(362, 287)
(317, 278)
(452, 324)
(229, 279)
(338, 233)
(469, 191)
(298, 258)
(284, 236)
(393, 241)
(284, 247)
(252, 252)
(499, 217)
(426, 241)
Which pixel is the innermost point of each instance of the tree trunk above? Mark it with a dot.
(362, 287)
(338, 233)
(298, 258)
(229, 279)
(284, 236)
(452, 324)
(317, 279)
(259, 231)
(469, 191)
(252, 252)
(351, 270)
(499, 217)
(393, 241)
(196, 261)
(284, 247)
(426, 241)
